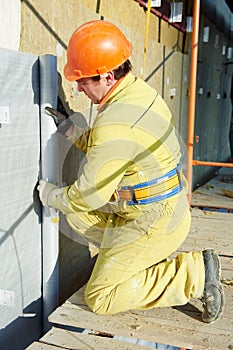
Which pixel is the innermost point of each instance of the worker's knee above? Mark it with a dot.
(97, 301)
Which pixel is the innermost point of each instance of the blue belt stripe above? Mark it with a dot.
(158, 198)
(154, 181)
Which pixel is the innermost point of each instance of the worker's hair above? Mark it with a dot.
(119, 72)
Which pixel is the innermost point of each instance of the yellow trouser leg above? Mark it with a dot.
(134, 276)
(132, 270)
(90, 225)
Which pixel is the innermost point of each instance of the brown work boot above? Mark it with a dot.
(213, 296)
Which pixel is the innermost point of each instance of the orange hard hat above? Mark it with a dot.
(95, 48)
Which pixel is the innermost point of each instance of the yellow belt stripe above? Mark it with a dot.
(150, 191)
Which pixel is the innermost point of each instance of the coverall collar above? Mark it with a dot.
(120, 85)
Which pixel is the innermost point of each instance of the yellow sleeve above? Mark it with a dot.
(106, 165)
(79, 138)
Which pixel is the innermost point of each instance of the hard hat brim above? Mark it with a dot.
(69, 74)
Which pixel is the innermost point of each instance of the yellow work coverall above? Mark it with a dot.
(132, 141)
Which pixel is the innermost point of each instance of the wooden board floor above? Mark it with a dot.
(179, 326)
(211, 194)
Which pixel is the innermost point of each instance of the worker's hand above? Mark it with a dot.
(46, 190)
(58, 117)
(63, 122)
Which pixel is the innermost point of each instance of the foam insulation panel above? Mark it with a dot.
(21, 252)
(20, 231)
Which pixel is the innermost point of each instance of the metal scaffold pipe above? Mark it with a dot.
(192, 98)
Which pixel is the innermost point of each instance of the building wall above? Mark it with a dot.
(213, 107)
(45, 31)
(46, 27)
(10, 13)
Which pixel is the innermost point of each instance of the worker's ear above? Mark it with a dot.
(109, 78)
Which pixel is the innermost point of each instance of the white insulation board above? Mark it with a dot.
(26, 289)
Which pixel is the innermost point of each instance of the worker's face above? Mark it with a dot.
(94, 90)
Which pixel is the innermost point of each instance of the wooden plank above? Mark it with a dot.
(211, 200)
(211, 194)
(197, 213)
(210, 230)
(180, 326)
(78, 341)
(41, 346)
